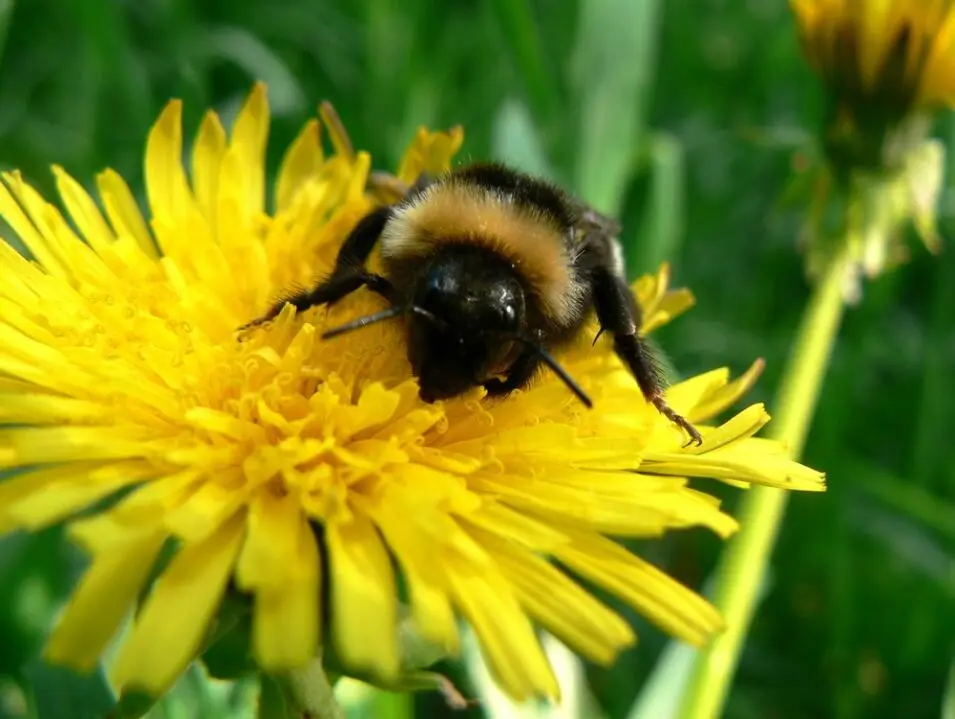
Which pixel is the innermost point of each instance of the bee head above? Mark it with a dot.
(474, 307)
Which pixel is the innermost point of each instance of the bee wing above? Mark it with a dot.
(599, 230)
(592, 222)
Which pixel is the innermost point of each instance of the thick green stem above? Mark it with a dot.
(309, 693)
(744, 561)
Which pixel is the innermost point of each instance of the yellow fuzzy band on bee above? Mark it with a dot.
(528, 238)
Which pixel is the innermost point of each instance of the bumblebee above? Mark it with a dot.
(492, 270)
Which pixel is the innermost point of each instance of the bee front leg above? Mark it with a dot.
(518, 374)
(349, 273)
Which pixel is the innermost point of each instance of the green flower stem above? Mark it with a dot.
(309, 693)
(741, 570)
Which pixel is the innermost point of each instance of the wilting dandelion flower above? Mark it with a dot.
(301, 471)
(886, 66)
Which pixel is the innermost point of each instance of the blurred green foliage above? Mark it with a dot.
(685, 116)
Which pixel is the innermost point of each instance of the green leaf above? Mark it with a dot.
(62, 694)
(228, 654)
(34, 573)
(134, 704)
(272, 703)
(948, 700)
(521, 30)
(662, 210)
(612, 69)
(517, 142)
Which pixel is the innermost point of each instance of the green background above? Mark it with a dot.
(689, 115)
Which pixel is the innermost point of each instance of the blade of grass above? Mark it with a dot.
(934, 407)
(6, 11)
(515, 140)
(948, 699)
(259, 62)
(104, 27)
(520, 29)
(661, 221)
(920, 505)
(612, 70)
(662, 693)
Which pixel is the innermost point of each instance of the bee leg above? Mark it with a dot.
(518, 374)
(348, 275)
(619, 314)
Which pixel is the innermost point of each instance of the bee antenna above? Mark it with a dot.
(548, 359)
(365, 321)
(387, 314)
(422, 312)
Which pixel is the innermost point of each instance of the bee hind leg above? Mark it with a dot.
(619, 314)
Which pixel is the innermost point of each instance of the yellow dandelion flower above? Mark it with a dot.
(303, 471)
(885, 64)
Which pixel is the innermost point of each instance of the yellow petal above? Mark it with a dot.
(123, 211)
(692, 392)
(500, 520)
(658, 303)
(301, 164)
(207, 154)
(49, 255)
(211, 505)
(22, 486)
(69, 494)
(36, 408)
(341, 143)
(83, 210)
(166, 187)
(877, 32)
(431, 153)
(624, 508)
(101, 600)
(272, 535)
(561, 606)
(249, 137)
(414, 551)
(508, 642)
(285, 625)
(654, 594)
(363, 597)
(721, 398)
(173, 621)
(34, 445)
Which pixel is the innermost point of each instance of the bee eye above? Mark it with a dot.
(509, 317)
